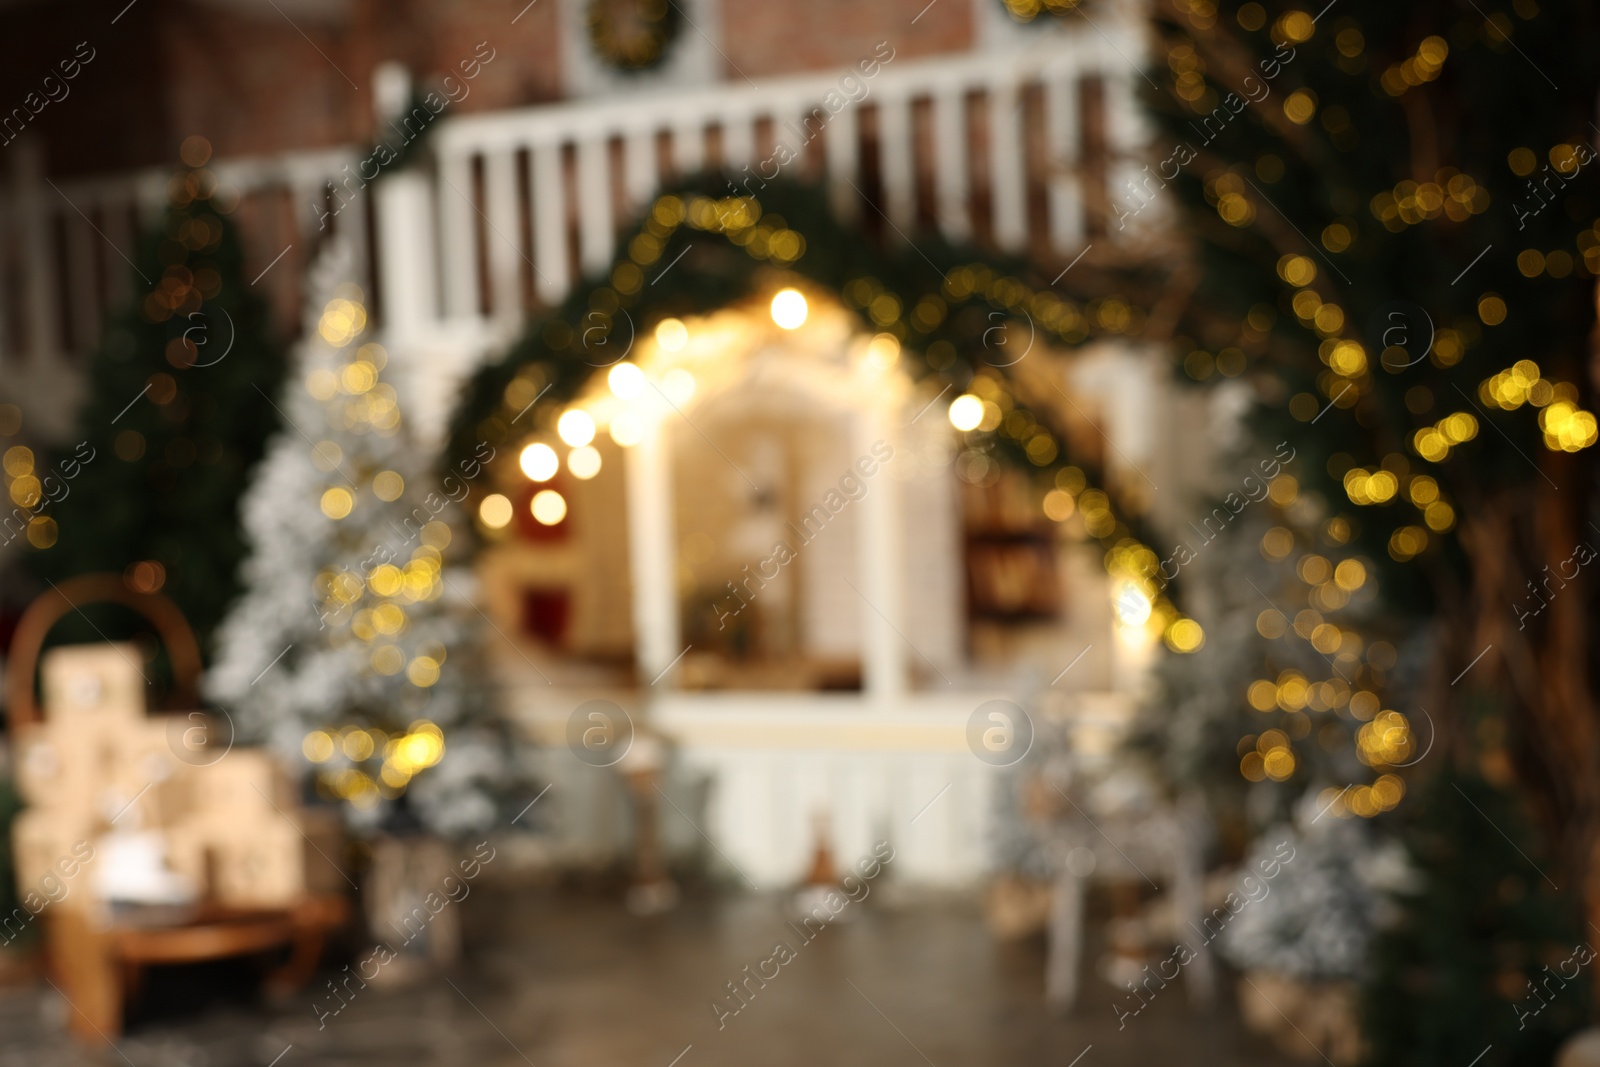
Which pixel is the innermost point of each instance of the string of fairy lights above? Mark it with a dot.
(993, 421)
(1384, 739)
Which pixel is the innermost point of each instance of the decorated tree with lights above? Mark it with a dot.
(1287, 700)
(173, 423)
(1394, 242)
(350, 650)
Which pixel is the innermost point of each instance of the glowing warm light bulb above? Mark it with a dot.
(583, 462)
(627, 381)
(495, 511)
(549, 507)
(966, 411)
(672, 335)
(539, 462)
(1131, 605)
(576, 427)
(789, 309)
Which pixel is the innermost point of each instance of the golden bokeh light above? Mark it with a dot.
(672, 335)
(337, 502)
(539, 462)
(966, 412)
(627, 381)
(423, 672)
(575, 427)
(388, 485)
(495, 512)
(317, 746)
(789, 309)
(548, 507)
(583, 462)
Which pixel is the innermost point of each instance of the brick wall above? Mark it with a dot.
(255, 84)
(833, 34)
(239, 72)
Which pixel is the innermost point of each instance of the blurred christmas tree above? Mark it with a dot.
(174, 421)
(349, 650)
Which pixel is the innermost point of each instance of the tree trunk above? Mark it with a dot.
(1540, 667)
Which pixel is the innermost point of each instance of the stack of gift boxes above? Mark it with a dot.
(173, 812)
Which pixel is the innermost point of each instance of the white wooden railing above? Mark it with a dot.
(521, 203)
(558, 181)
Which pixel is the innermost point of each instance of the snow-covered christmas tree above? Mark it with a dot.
(1290, 690)
(350, 650)
(1318, 914)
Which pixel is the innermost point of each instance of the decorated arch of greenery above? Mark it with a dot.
(699, 249)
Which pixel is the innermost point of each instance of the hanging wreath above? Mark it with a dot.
(1029, 11)
(633, 35)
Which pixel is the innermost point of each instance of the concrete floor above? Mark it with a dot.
(559, 979)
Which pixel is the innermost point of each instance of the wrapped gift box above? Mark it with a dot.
(99, 770)
(93, 682)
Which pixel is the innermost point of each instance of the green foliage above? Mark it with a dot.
(1388, 206)
(178, 414)
(1380, 160)
(1473, 940)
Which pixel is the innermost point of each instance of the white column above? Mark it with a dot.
(842, 145)
(1007, 174)
(883, 650)
(550, 223)
(1125, 136)
(457, 221)
(895, 160)
(426, 375)
(738, 140)
(688, 148)
(652, 553)
(950, 148)
(595, 233)
(405, 255)
(1062, 134)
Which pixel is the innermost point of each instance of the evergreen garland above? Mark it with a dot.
(709, 245)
